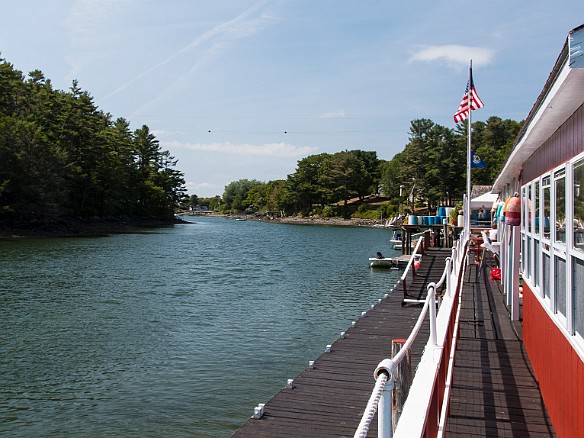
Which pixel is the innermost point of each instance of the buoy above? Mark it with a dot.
(513, 211)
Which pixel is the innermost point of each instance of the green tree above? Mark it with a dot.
(235, 194)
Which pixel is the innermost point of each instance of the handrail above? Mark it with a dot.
(386, 368)
(411, 261)
(410, 266)
(381, 397)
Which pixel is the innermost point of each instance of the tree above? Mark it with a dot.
(236, 192)
(60, 156)
(305, 183)
(193, 202)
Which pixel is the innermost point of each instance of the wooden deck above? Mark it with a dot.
(329, 399)
(494, 392)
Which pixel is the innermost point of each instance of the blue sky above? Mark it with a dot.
(246, 88)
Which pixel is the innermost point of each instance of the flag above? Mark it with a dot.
(475, 101)
(475, 161)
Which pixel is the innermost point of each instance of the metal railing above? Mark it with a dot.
(432, 376)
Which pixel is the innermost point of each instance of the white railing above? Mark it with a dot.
(411, 268)
(431, 378)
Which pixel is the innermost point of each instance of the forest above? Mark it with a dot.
(431, 169)
(61, 157)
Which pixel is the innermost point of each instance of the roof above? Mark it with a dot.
(478, 190)
(561, 96)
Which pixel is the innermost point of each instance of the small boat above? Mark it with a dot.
(385, 262)
(396, 239)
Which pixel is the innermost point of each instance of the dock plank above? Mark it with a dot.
(494, 392)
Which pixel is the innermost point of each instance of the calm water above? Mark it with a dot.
(176, 332)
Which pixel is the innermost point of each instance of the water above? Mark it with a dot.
(176, 332)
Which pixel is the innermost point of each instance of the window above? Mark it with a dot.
(560, 285)
(536, 206)
(560, 197)
(529, 208)
(578, 296)
(579, 205)
(546, 206)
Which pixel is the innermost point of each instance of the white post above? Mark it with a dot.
(448, 274)
(514, 283)
(432, 308)
(384, 410)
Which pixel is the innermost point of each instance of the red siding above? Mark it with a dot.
(557, 367)
(565, 143)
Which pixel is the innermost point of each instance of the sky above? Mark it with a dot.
(244, 89)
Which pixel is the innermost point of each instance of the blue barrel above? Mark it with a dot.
(441, 211)
(413, 220)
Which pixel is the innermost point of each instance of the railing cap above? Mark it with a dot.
(385, 366)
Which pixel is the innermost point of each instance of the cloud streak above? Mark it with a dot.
(455, 56)
(285, 150)
(214, 42)
(89, 27)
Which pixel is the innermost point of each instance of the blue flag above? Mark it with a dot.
(475, 161)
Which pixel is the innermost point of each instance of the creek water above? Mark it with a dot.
(178, 331)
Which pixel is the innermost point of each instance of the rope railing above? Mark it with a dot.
(384, 372)
(381, 398)
(410, 266)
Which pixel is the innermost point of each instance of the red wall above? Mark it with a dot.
(557, 367)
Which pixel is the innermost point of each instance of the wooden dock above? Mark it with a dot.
(494, 392)
(329, 399)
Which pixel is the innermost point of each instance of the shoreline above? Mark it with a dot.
(297, 220)
(83, 227)
(94, 227)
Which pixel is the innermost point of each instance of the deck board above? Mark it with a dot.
(494, 392)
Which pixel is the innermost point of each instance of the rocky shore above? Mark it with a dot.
(298, 220)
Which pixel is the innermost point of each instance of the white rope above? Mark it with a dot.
(371, 408)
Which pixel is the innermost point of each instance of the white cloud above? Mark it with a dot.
(268, 149)
(454, 55)
(336, 114)
(205, 186)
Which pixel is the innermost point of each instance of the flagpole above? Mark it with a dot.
(468, 152)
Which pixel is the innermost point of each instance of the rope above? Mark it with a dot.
(371, 408)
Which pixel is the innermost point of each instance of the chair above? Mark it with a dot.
(488, 244)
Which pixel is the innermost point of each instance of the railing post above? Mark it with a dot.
(403, 380)
(448, 274)
(432, 309)
(384, 411)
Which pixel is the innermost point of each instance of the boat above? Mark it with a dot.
(396, 239)
(385, 262)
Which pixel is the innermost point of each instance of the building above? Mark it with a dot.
(546, 169)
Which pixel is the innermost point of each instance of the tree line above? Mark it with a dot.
(431, 169)
(60, 156)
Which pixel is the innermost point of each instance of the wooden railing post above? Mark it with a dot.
(403, 380)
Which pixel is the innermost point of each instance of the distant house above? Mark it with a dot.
(546, 169)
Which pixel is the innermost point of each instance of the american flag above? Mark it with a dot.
(475, 101)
